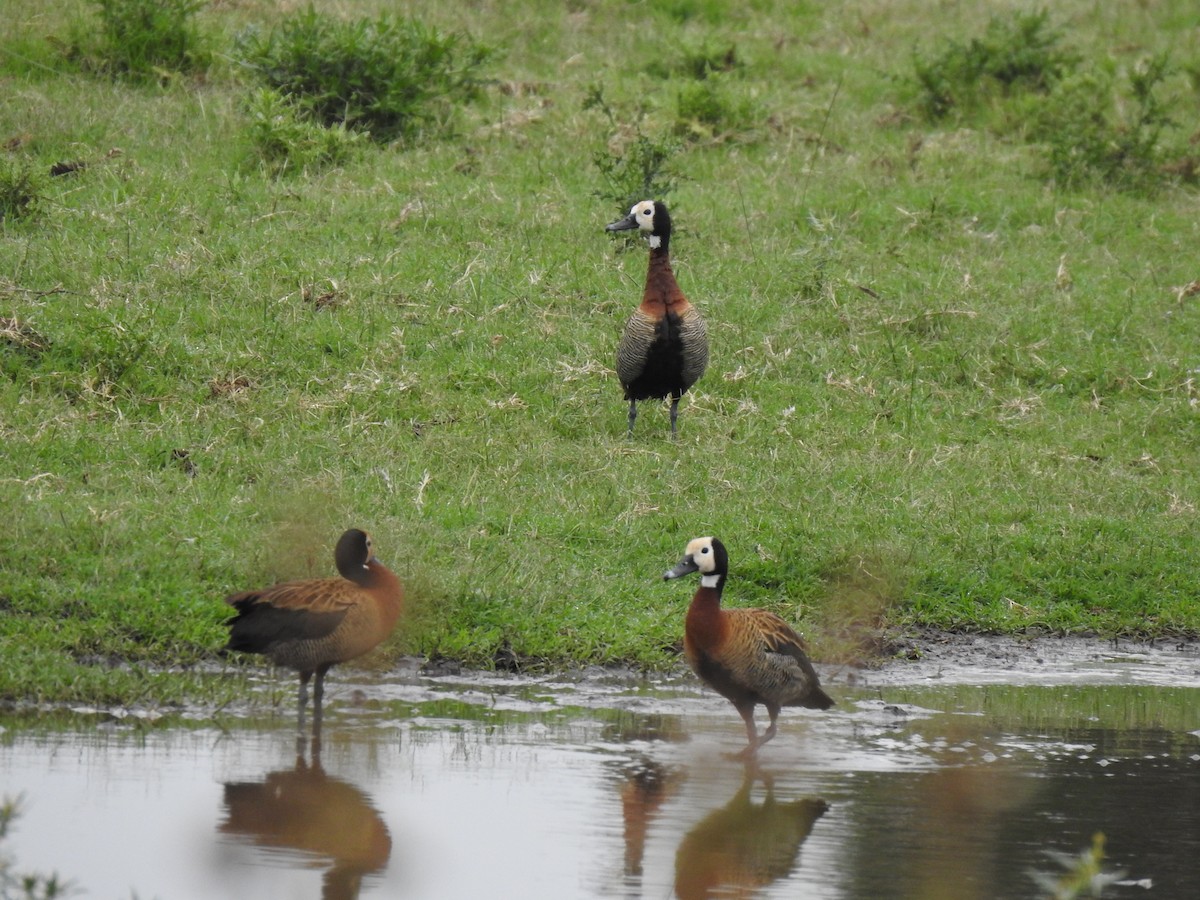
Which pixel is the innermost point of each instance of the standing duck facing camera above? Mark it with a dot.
(748, 656)
(314, 624)
(664, 348)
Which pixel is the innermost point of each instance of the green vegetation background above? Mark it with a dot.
(954, 343)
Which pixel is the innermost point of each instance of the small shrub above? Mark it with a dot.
(150, 38)
(19, 193)
(285, 138)
(642, 169)
(707, 109)
(388, 76)
(1023, 53)
(20, 346)
(1087, 139)
(683, 11)
(635, 168)
(697, 62)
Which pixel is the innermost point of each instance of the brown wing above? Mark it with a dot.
(775, 661)
(317, 595)
(775, 633)
(293, 611)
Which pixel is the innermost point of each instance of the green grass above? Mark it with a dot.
(945, 388)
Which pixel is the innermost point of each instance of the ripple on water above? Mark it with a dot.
(475, 786)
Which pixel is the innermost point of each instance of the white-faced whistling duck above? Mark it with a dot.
(748, 656)
(664, 348)
(311, 625)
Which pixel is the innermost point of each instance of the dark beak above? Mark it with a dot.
(686, 566)
(623, 224)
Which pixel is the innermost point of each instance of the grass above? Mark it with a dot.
(946, 388)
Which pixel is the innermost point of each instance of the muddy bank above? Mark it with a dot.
(925, 655)
(920, 656)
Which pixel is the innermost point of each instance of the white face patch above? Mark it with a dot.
(655, 241)
(701, 552)
(644, 213)
(710, 581)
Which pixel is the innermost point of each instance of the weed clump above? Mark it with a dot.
(697, 62)
(147, 39)
(682, 11)
(634, 167)
(390, 77)
(19, 191)
(1019, 78)
(639, 170)
(285, 139)
(1083, 875)
(708, 109)
(1024, 54)
(20, 346)
(1087, 137)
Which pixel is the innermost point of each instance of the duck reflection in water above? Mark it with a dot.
(306, 810)
(646, 785)
(744, 846)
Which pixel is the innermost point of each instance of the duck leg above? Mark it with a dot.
(632, 415)
(747, 714)
(316, 735)
(773, 712)
(319, 690)
(674, 415)
(301, 703)
(302, 694)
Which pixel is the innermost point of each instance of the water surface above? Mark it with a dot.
(917, 785)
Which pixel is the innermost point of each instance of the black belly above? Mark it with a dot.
(662, 374)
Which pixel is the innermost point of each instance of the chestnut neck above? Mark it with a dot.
(662, 291)
(705, 624)
(385, 586)
(709, 595)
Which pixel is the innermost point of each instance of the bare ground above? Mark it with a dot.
(925, 654)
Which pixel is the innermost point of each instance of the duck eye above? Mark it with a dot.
(705, 550)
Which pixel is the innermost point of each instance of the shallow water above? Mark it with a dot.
(917, 785)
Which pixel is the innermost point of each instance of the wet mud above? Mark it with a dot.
(1029, 659)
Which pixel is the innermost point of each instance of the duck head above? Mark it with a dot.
(651, 218)
(705, 555)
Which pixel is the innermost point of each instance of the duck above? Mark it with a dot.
(663, 349)
(748, 656)
(313, 624)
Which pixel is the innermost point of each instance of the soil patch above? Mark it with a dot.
(924, 655)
